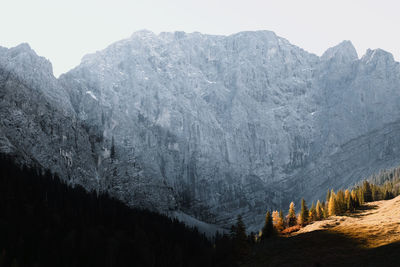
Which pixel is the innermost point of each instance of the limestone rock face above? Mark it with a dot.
(209, 125)
(40, 126)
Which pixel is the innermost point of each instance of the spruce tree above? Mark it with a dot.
(360, 197)
(367, 192)
(325, 209)
(352, 204)
(357, 201)
(268, 229)
(241, 247)
(328, 195)
(375, 193)
(354, 196)
(313, 213)
(347, 199)
(319, 211)
(252, 238)
(291, 217)
(340, 202)
(281, 222)
(303, 213)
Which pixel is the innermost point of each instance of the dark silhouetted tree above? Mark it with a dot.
(303, 213)
(268, 228)
(241, 246)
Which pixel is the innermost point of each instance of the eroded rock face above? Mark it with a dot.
(39, 126)
(213, 125)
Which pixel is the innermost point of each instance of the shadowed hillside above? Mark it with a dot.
(44, 222)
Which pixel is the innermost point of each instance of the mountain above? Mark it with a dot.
(204, 125)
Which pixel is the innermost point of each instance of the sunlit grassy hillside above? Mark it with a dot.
(368, 237)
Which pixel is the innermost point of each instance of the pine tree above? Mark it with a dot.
(352, 204)
(325, 209)
(275, 219)
(291, 217)
(360, 196)
(313, 213)
(328, 195)
(268, 229)
(241, 245)
(319, 211)
(332, 205)
(354, 194)
(281, 222)
(347, 199)
(356, 200)
(240, 228)
(374, 193)
(340, 202)
(367, 192)
(252, 238)
(303, 213)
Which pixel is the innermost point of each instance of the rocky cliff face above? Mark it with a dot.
(210, 125)
(40, 126)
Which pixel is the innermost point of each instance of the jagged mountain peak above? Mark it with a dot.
(23, 47)
(24, 57)
(375, 55)
(345, 51)
(259, 33)
(143, 34)
(35, 72)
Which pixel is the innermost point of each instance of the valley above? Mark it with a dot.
(207, 126)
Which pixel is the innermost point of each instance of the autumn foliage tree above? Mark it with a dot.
(312, 213)
(280, 225)
(319, 211)
(291, 217)
(367, 192)
(332, 205)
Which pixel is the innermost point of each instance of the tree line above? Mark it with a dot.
(45, 222)
(382, 186)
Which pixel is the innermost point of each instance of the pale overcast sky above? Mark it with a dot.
(64, 31)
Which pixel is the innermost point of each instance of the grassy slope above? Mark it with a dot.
(369, 237)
